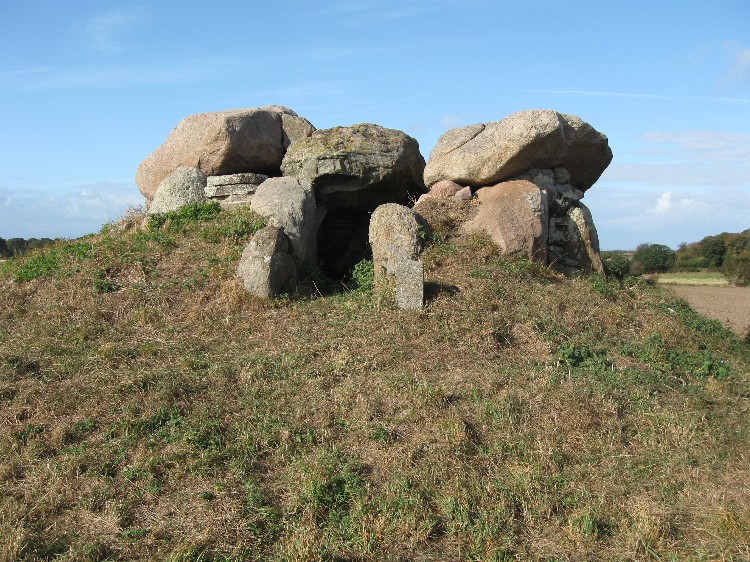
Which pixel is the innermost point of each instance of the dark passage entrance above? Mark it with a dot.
(343, 241)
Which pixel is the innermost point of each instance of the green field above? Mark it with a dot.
(693, 278)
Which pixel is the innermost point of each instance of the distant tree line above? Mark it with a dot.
(728, 253)
(17, 246)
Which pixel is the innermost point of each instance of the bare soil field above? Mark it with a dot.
(729, 305)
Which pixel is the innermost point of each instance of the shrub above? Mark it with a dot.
(737, 268)
(654, 258)
(616, 265)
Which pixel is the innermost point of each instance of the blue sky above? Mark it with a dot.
(89, 87)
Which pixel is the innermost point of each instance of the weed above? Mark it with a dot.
(589, 525)
(235, 228)
(363, 276)
(29, 431)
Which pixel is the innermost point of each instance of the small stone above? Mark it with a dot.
(464, 194)
(444, 188)
(230, 189)
(231, 179)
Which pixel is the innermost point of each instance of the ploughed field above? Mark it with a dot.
(728, 305)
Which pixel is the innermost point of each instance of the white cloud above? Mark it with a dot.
(694, 184)
(675, 205)
(626, 216)
(33, 213)
(104, 33)
(685, 158)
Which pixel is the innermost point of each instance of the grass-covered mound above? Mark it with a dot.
(152, 410)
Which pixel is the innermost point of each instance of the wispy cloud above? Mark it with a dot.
(738, 73)
(34, 213)
(694, 184)
(637, 95)
(104, 33)
(24, 71)
(715, 147)
(339, 52)
(708, 158)
(106, 76)
(308, 88)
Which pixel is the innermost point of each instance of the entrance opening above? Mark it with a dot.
(343, 241)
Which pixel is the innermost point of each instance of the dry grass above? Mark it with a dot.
(151, 410)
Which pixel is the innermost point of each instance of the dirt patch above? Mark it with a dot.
(729, 305)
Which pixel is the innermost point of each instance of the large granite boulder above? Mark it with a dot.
(485, 154)
(515, 216)
(267, 267)
(225, 142)
(289, 204)
(183, 186)
(358, 167)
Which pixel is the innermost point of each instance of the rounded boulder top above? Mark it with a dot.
(225, 142)
(359, 166)
(487, 153)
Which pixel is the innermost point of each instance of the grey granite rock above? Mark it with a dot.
(267, 267)
(183, 186)
(358, 167)
(289, 204)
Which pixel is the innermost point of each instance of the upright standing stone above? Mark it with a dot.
(396, 237)
(289, 204)
(267, 267)
(409, 277)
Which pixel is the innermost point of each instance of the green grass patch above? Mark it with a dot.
(693, 278)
